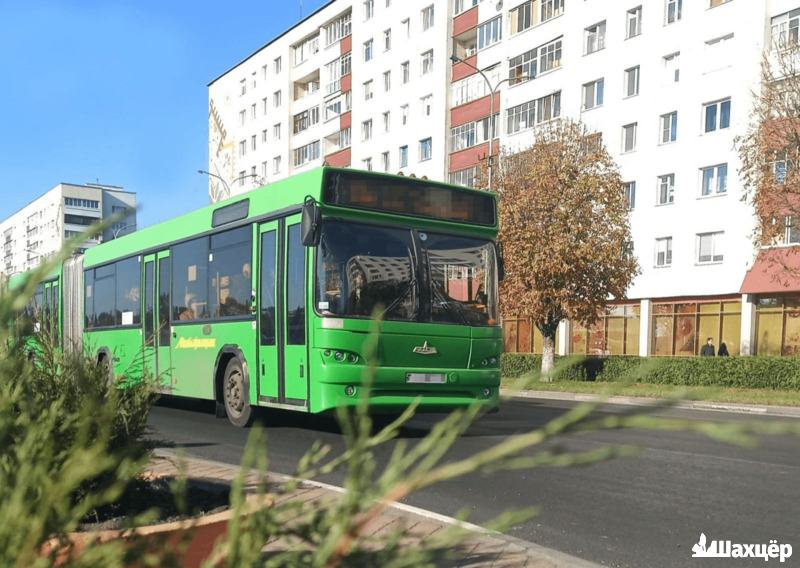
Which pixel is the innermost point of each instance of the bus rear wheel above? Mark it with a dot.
(235, 394)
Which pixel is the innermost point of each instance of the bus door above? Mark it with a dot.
(163, 331)
(149, 317)
(293, 308)
(268, 370)
(50, 311)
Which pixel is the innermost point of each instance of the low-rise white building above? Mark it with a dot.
(39, 229)
(668, 83)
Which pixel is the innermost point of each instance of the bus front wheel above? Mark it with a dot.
(235, 394)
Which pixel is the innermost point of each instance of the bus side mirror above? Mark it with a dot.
(501, 267)
(311, 223)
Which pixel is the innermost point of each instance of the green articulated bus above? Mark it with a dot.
(266, 299)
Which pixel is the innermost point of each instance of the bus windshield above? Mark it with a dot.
(363, 268)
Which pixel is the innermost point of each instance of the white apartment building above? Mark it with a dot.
(40, 229)
(668, 84)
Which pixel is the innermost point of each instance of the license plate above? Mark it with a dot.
(428, 378)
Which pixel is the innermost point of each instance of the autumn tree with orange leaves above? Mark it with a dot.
(769, 149)
(564, 230)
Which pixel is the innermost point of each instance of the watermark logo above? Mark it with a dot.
(727, 549)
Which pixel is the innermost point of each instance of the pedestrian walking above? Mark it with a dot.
(723, 350)
(708, 348)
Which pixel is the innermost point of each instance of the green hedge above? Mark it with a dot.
(747, 372)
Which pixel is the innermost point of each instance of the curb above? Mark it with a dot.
(545, 557)
(751, 409)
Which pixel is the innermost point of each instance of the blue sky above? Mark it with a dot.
(116, 92)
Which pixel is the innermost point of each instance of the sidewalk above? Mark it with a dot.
(758, 410)
(482, 550)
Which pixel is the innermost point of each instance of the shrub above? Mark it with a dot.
(745, 372)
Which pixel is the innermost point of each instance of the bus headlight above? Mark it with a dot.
(349, 390)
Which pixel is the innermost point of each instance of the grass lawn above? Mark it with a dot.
(711, 394)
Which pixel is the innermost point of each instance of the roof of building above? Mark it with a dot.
(270, 42)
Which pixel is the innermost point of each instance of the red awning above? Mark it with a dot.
(775, 270)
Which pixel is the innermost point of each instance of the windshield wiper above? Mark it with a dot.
(446, 305)
(396, 302)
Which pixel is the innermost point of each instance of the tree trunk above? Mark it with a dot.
(548, 356)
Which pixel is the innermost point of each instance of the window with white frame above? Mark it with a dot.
(491, 32)
(386, 121)
(335, 70)
(253, 111)
(666, 189)
(305, 49)
(407, 25)
(673, 11)
(633, 22)
(276, 165)
(387, 40)
(781, 165)
(709, 247)
(595, 38)
(463, 5)
(367, 90)
(550, 56)
(366, 130)
(385, 161)
(264, 72)
(306, 153)
(630, 193)
(306, 119)
(474, 86)
(337, 29)
(426, 104)
(629, 137)
(277, 64)
(549, 9)
(548, 107)
(521, 17)
(427, 62)
(522, 67)
(672, 67)
(786, 30)
(404, 114)
(367, 50)
(242, 148)
(593, 94)
(664, 251)
(425, 149)
(253, 142)
(717, 115)
(242, 117)
(669, 127)
(337, 106)
(470, 134)
(277, 98)
(276, 131)
(366, 164)
(242, 177)
(631, 81)
(791, 234)
(714, 180)
(520, 117)
(427, 17)
(242, 87)
(264, 135)
(466, 177)
(264, 105)
(369, 9)
(264, 170)
(402, 154)
(405, 70)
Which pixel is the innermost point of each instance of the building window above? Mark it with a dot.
(277, 99)
(664, 251)
(672, 69)
(276, 165)
(629, 137)
(366, 130)
(461, 5)
(242, 148)
(682, 329)
(264, 135)
(778, 326)
(242, 177)
(406, 23)
(404, 114)
(337, 29)
(427, 62)
(368, 50)
(387, 40)
(242, 117)
(404, 68)
(717, 115)
(550, 56)
(593, 94)
(786, 30)
(277, 64)
(466, 177)
(470, 134)
(403, 156)
(368, 90)
(792, 232)
(264, 170)
(489, 33)
(616, 332)
(521, 18)
(673, 11)
(426, 105)
(306, 49)
(307, 153)
(715, 3)
(715, 179)
(425, 149)
(253, 111)
(306, 119)
(427, 18)
(548, 107)
(709, 247)
(666, 189)
(630, 194)
(551, 8)
(633, 23)
(385, 161)
(595, 38)
(528, 114)
(386, 121)
(369, 9)
(335, 70)
(253, 142)
(276, 131)
(366, 164)
(632, 81)
(669, 127)
(522, 67)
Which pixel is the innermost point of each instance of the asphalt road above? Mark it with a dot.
(646, 510)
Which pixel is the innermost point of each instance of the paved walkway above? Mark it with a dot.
(483, 549)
